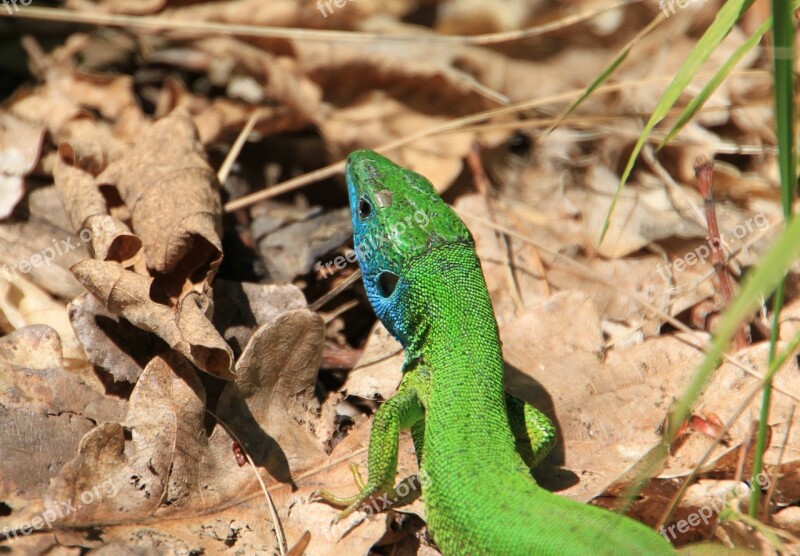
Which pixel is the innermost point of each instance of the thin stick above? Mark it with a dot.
(276, 521)
(319, 303)
(337, 167)
(236, 148)
(704, 170)
(204, 28)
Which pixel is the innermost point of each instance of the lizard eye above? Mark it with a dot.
(364, 208)
(387, 281)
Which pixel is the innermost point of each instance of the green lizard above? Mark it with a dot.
(475, 444)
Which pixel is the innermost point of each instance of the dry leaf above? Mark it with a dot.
(20, 148)
(44, 411)
(170, 191)
(22, 303)
(188, 330)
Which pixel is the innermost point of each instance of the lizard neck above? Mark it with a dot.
(455, 334)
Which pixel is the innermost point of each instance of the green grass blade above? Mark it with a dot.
(726, 18)
(712, 85)
(783, 78)
(783, 63)
(604, 75)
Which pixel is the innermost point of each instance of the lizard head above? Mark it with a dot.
(397, 215)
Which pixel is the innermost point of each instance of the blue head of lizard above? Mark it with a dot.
(397, 216)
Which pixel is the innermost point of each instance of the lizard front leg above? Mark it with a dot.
(398, 413)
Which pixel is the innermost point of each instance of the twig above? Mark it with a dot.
(236, 148)
(319, 303)
(704, 170)
(276, 521)
(205, 28)
(457, 124)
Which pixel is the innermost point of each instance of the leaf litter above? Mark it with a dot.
(151, 339)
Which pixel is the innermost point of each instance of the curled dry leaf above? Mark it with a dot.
(170, 199)
(171, 193)
(242, 307)
(60, 103)
(112, 344)
(148, 473)
(111, 239)
(188, 330)
(122, 350)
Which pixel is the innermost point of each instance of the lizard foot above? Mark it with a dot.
(373, 498)
(350, 504)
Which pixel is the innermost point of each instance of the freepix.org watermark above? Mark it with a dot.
(372, 243)
(48, 254)
(13, 4)
(380, 503)
(718, 504)
(664, 4)
(702, 252)
(61, 509)
(322, 4)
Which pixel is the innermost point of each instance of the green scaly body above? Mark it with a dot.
(475, 443)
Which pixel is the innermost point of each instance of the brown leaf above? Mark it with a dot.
(291, 250)
(242, 307)
(167, 464)
(20, 148)
(44, 411)
(42, 253)
(23, 303)
(112, 344)
(171, 193)
(375, 118)
(604, 409)
(188, 330)
(281, 80)
(275, 388)
(379, 369)
(110, 238)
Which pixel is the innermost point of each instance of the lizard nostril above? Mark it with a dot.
(387, 281)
